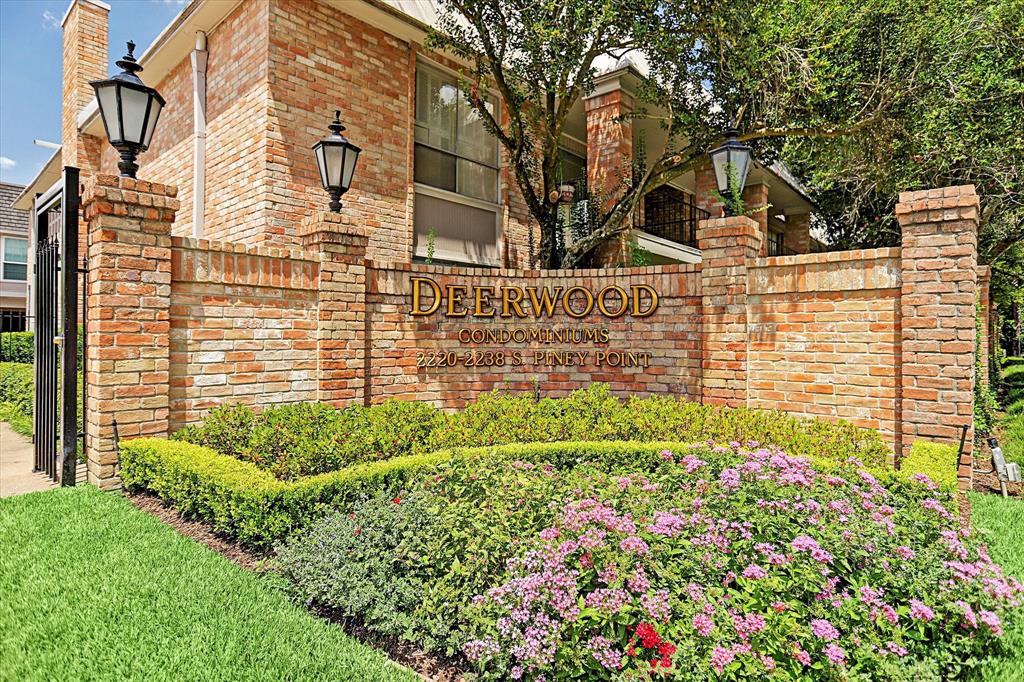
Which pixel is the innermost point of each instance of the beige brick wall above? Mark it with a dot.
(823, 336)
(243, 327)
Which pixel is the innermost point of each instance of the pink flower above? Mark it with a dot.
(634, 544)
(754, 572)
(703, 624)
(721, 657)
(905, 553)
(921, 611)
(835, 654)
(800, 655)
(730, 479)
(992, 621)
(602, 650)
(822, 629)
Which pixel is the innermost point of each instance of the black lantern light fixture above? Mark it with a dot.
(336, 158)
(731, 162)
(130, 110)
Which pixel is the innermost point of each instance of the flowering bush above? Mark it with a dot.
(744, 563)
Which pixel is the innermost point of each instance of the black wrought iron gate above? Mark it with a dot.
(55, 289)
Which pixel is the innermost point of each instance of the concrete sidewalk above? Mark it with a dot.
(16, 458)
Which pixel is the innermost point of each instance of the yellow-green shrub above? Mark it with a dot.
(937, 461)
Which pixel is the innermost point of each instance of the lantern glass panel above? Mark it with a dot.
(106, 95)
(351, 155)
(321, 164)
(334, 156)
(740, 160)
(133, 113)
(154, 115)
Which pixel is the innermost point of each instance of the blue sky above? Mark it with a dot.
(30, 70)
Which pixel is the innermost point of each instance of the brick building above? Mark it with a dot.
(251, 85)
(13, 260)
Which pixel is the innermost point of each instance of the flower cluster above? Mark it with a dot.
(742, 560)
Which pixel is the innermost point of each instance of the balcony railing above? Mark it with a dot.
(666, 212)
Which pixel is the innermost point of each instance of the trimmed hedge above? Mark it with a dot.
(937, 461)
(305, 439)
(249, 504)
(17, 347)
(243, 501)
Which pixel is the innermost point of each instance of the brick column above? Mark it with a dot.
(726, 244)
(985, 318)
(938, 272)
(341, 334)
(129, 302)
(609, 142)
(798, 232)
(705, 189)
(756, 196)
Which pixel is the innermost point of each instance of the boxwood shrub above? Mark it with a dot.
(304, 439)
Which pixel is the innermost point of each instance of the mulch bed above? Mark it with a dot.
(989, 483)
(431, 667)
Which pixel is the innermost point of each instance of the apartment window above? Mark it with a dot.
(15, 259)
(775, 243)
(456, 173)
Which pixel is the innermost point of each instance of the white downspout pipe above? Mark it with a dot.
(199, 56)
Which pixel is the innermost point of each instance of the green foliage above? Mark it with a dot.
(595, 414)
(1000, 525)
(985, 403)
(17, 347)
(1012, 424)
(806, 68)
(144, 602)
(20, 346)
(304, 439)
(16, 380)
(243, 501)
(937, 461)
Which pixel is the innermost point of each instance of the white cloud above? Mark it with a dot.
(50, 20)
(6, 162)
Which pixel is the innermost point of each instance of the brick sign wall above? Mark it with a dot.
(883, 338)
(494, 330)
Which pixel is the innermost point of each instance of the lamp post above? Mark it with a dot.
(129, 109)
(336, 158)
(731, 162)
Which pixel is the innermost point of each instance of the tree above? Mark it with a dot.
(962, 126)
(775, 70)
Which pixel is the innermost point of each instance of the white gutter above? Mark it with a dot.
(199, 57)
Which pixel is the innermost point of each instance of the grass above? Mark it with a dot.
(1001, 523)
(95, 589)
(1012, 424)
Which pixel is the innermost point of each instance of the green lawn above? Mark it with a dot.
(1012, 438)
(1001, 523)
(93, 589)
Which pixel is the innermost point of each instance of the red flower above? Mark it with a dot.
(397, 500)
(666, 649)
(357, 531)
(648, 637)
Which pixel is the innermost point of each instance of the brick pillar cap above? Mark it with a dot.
(327, 227)
(129, 185)
(732, 226)
(984, 272)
